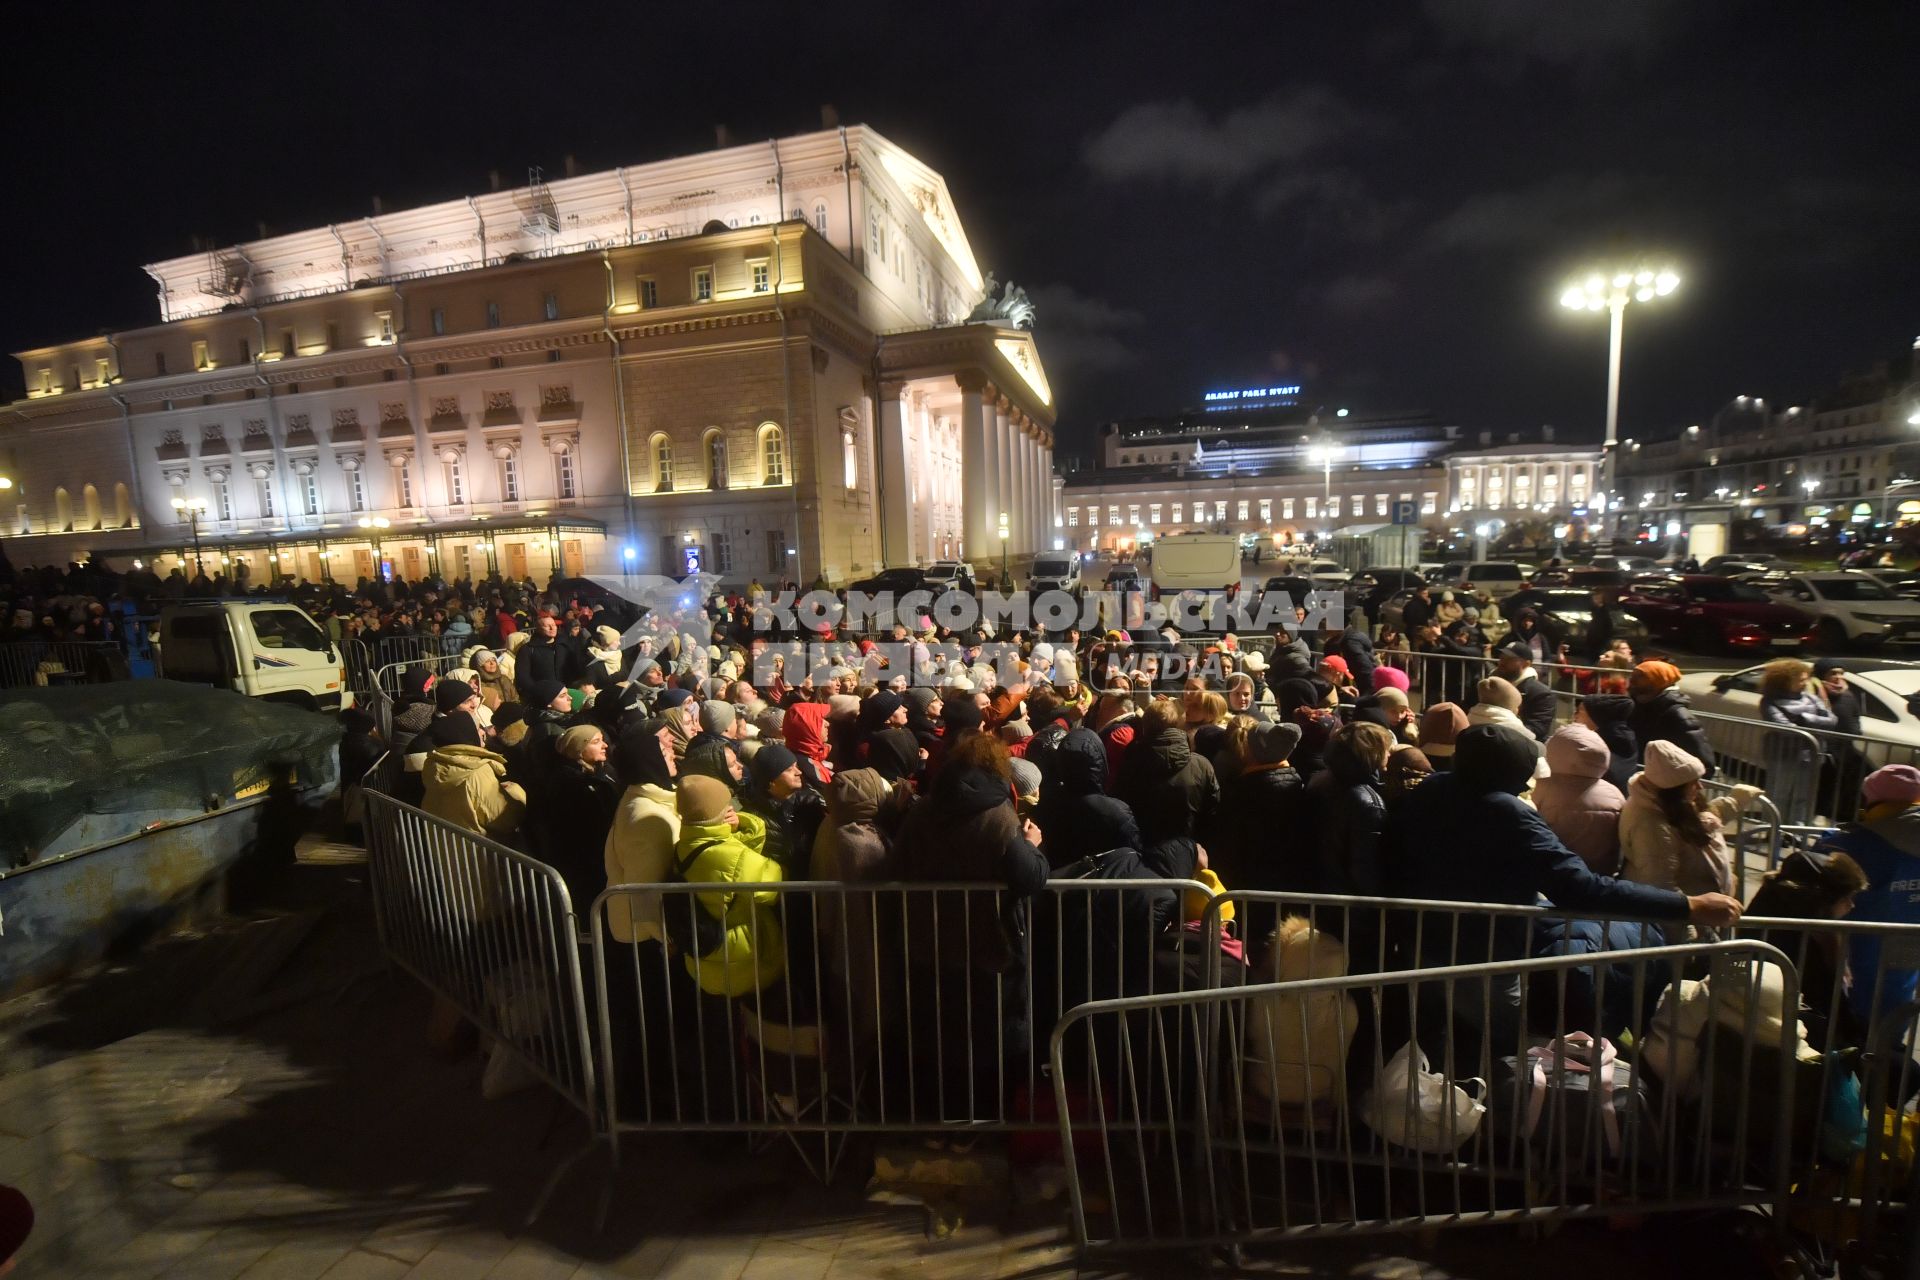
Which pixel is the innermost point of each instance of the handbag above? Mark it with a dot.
(1411, 1106)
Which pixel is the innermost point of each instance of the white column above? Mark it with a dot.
(895, 502)
(976, 475)
(1002, 470)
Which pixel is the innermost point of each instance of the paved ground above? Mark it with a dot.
(181, 1115)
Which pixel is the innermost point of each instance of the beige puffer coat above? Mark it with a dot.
(639, 850)
(1297, 1044)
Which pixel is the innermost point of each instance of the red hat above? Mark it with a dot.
(1337, 662)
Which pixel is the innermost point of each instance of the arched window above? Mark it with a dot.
(716, 460)
(820, 216)
(90, 505)
(62, 510)
(849, 458)
(122, 506)
(662, 463)
(773, 455)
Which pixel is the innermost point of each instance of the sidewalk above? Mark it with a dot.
(161, 1132)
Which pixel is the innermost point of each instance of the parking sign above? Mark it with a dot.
(1404, 512)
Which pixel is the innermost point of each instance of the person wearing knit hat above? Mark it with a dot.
(1440, 728)
(454, 695)
(576, 743)
(543, 695)
(607, 636)
(1885, 841)
(1406, 769)
(842, 708)
(1385, 677)
(1670, 833)
(1026, 786)
(1661, 713)
(777, 793)
(720, 845)
(719, 719)
(1272, 744)
(1496, 692)
(881, 710)
(456, 728)
(1496, 703)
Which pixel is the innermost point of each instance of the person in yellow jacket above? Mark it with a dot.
(466, 784)
(719, 845)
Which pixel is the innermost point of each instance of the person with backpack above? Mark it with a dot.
(732, 942)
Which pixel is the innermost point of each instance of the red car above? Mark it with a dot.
(1711, 614)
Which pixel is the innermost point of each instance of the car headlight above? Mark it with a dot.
(1884, 617)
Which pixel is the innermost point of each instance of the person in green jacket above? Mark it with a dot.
(720, 845)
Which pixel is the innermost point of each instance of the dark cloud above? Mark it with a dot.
(1079, 335)
(1566, 34)
(1179, 141)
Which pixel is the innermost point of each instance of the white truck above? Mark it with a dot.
(263, 648)
(1196, 562)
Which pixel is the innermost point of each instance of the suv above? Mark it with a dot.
(949, 575)
(1853, 607)
(1125, 576)
(263, 648)
(1497, 578)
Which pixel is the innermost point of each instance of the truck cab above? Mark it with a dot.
(262, 648)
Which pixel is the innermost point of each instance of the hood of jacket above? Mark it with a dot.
(1347, 768)
(1577, 751)
(856, 796)
(1079, 764)
(453, 766)
(1301, 951)
(1901, 830)
(805, 728)
(1660, 703)
(964, 793)
(1166, 753)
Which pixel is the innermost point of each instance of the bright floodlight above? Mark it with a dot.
(1599, 291)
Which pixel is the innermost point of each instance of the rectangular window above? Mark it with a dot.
(1379, 504)
(722, 553)
(493, 315)
(1286, 508)
(1133, 514)
(1113, 515)
(1266, 511)
(222, 501)
(563, 473)
(383, 325)
(773, 460)
(649, 293)
(1313, 508)
(1241, 510)
(1179, 513)
(510, 478)
(552, 306)
(703, 284)
(1153, 513)
(849, 460)
(403, 486)
(333, 337)
(1220, 509)
(1333, 507)
(1073, 517)
(159, 364)
(758, 277)
(101, 376)
(777, 551)
(496, 362)
(199, 355)
(310, 487)
(246, 352)
(456, 484)
(265, 487)
(356, 490)
(288, 346)
(439, 320)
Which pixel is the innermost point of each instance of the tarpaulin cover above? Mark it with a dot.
(144, 747)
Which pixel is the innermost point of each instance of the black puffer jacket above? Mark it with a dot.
(1076, 815)
(1665, 718)
(1172, 791)
(1347, 816)
(1260, 832)
(966, 830)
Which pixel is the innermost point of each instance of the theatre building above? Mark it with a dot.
(776, 361)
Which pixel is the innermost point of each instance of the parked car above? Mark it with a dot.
(1625, 564)
(1732, 565)
(1327, 574)
(1904, 583)
(1711, 614)
(944, 575)
(1579, 577)
(1371, 588)
(895, 581)
(1565, 614)
(1496, 578)
(1853, 607)
(1126, 576)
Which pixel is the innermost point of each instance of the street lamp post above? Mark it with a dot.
(373, 524)
(1005, 534)
(193, 507)
(1323, 453)
(1611, 291)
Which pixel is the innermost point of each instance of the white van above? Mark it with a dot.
(1196, 562)
(1055, 571)
(263, 648)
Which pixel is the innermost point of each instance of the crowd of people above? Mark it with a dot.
(635, 751)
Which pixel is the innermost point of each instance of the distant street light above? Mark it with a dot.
(1611, 291)
(193, 507)
(1323, 454)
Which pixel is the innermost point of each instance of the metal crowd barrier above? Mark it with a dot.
(493, 933)
(26, 663)
(1464, 1116)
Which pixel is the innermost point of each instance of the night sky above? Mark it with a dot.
(1195, 196)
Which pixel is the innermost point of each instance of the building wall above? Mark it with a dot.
(1288, 500)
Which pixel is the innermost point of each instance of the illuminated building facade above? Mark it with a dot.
(659, 367)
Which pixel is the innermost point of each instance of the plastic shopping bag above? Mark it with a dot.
(1413, 1107)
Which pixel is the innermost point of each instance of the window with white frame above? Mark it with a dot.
(383, 324)
(849, 458)
(263, 487)
(199, 358)
(1220, 509)
(356, 491)
(456, 482)
(1153, 513)
(403, 485)
(716, 460)
(662, 463)
(1313, 508)
(773, 456)
(649, 293)
(1333, 507)
(703, 284)
(1286, 508)
(1133, 515)
(1379, 504)
(777, 551)
(1179, 513)
(550, 306)
(820, 216)
(1240, 510)
(1073, 517)
(1266, 511)
(563, 474)
(510, 477)
(310, 489)
(722, 553)
(222, 503)
(1113, 515)
(759, 277)
(1429, 503)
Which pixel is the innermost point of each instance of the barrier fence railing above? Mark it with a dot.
(492, 932)
(26, 663)
(1464, 1116)
(816, 1011)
